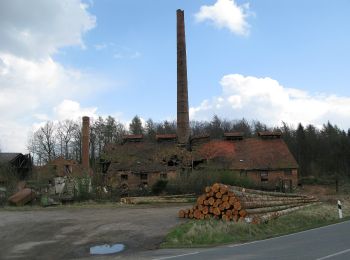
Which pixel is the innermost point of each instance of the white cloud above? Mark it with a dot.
(265, 99)
(226, 14)
(135, 55)
(32, 83)
(14, 136)
(118, 56)
(37, 29)
(29, 85)
(122, 52)
(101, 46)
(69, 109)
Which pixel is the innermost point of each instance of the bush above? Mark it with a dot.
(83, 188)
(8, 183)
(196, 181)
(159, 186)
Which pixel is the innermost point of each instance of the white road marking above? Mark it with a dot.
(254, 242)
(257, 241)
(175, 256)
(335, 254)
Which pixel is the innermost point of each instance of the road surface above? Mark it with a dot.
(330, 242)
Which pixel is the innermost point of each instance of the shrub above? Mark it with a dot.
(83, 188)
(196, 181)
(159, 187)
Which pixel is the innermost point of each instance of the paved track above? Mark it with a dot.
(330, 242)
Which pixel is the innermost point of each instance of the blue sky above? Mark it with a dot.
(268, 60)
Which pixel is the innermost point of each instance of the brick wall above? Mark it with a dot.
(273, 178)
(134, 180)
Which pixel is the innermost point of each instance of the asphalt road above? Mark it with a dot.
(68, 233)
(330, 242)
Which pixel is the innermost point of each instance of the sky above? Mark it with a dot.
(273, 61)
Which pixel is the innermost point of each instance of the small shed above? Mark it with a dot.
(21, 163)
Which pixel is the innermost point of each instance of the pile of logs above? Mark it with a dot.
(158, 199)
(231, 203)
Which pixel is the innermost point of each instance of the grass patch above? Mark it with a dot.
(203, 233)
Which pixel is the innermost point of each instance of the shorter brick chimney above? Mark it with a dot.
(85, 142)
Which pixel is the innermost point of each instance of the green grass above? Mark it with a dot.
(203, 233)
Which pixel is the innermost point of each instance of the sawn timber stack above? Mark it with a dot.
(231, 203)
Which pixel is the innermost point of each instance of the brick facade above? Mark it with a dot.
(272, 178)
(134, 181)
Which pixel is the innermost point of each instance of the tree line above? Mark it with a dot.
(320, 151)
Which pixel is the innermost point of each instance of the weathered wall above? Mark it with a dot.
(134, 180)
(274, 177)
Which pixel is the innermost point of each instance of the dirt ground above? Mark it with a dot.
(68, 233)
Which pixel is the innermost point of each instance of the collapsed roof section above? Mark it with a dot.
(266, 151)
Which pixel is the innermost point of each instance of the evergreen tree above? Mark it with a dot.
(135, 126)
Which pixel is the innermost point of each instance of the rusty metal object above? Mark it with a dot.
(22, 197)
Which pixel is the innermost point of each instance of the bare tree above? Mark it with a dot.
(44, 140)
(76, 142)
(65, 131)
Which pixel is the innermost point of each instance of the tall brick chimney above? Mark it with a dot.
(183, 125)
(85, 142)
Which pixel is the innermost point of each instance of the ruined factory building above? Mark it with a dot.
(266, 160)
(139, 162)
(61, 167)
(20, 163)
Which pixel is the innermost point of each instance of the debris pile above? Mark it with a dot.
(22, 197)
(231, 203)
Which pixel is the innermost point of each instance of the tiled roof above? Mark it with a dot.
(233, 134)
(247, 154)
(144, 156)
(268, 133)
(257, 153)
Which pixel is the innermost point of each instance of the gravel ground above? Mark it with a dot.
(68, 233)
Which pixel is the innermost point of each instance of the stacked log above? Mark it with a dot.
(231, 203)
(158, 199)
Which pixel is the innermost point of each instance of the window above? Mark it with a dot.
(264, 175)
(143, 176)
(124, 177)
(288, 172)
(67, 169)
(243, 173)
(163, 176)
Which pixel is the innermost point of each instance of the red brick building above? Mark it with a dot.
(265, 158)
(138, 163)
